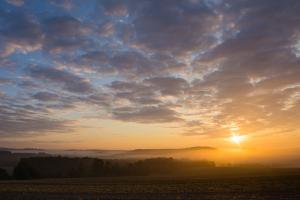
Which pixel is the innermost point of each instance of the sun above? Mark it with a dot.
(237, 139)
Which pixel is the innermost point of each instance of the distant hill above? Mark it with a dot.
(188, 152)
(142, 151)
(177, 153)
(20, 149)
(197, 151)
(172, 150)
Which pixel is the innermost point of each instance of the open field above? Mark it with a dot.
(250, 188)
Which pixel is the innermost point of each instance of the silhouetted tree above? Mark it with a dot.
(4, 175)
(64, 167)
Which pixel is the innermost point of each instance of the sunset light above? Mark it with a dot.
(130, 88)
(237, 139)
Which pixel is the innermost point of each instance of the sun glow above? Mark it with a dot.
(237, 139)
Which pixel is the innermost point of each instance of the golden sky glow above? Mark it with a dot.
(158, 74)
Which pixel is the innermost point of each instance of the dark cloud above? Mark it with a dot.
(96, 58)
(66, 46)
(65, 33)
(45, 96)
(18, 119)
(64, 26)
(132, 63)
(25, 33)
(28, 84)
(107, 29)
(134, 92)
(148, 114)
(129, 63)
(97, 61)
(30, 125)
(137, 98)
(145, 102)
(263, 42)
(70, 82)
(168, 85)
(4, 81)
(114, 7)
(20, 32)
(179, 27)
(149, 91)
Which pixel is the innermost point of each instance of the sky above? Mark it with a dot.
(112, 74)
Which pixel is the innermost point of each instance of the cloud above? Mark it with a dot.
(4, 81)
(149, 91)
(64, 26)
(178, 27)
(256, 46)
(45, 96)
(102, 99)
(129, 63)
(65, 33)
(114, 8)
(25, 33)
(23, 119)
(205, 64)
(65, 4)
(168, 85)
(144, 102)
(147, 114)
(216, 133)
(26, 126)
(16, 2)
(134, 93)
(69, 81)
(132, 63)
(97, 61)
(21, 33)
(28, 84)
(107, 29)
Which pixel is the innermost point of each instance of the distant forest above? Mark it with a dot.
(65, 167)
(15, 165)
(4, 175)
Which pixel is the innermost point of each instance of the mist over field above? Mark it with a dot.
(222, 157)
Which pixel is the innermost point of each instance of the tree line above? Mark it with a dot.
(66, 167)
(4, 175)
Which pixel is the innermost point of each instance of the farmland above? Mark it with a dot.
(285, 187)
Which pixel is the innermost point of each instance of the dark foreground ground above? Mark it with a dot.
(248, 188)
